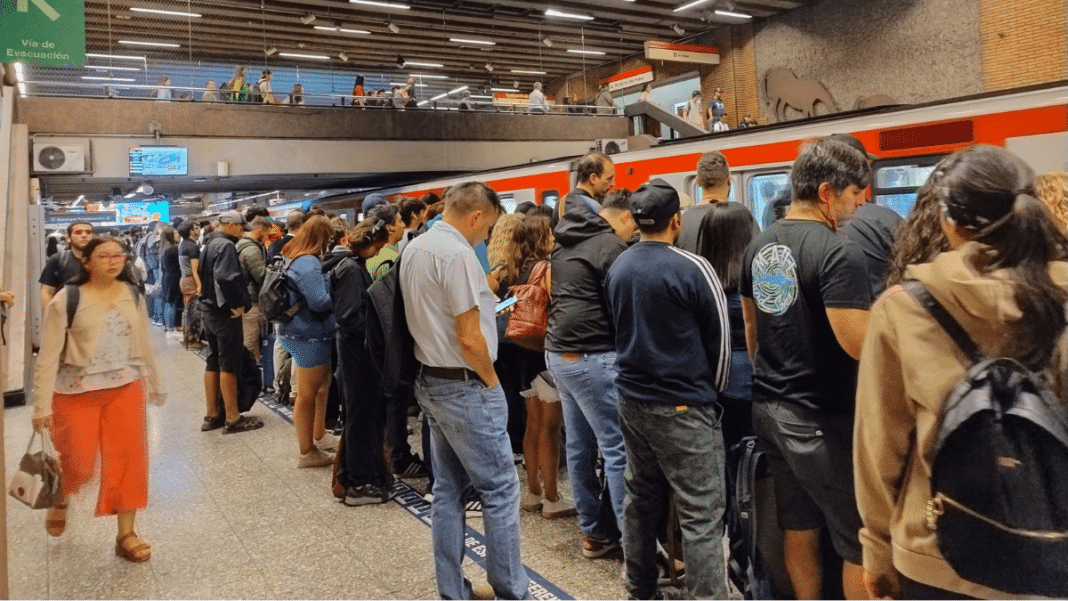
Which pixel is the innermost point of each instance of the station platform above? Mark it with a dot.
(232, 517)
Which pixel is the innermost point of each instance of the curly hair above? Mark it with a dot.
(1052, 189)
(530, 244)
(500, 240)
(920, 238)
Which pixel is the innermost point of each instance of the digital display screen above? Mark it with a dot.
(159, 160)
(134, 213)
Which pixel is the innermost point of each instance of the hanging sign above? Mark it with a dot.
(682, 53)
(44, 32)
(629, 79)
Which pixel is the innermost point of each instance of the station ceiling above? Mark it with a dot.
(375, 35)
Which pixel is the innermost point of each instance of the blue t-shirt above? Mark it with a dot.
(673, 342)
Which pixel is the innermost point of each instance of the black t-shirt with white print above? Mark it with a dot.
(794, 271)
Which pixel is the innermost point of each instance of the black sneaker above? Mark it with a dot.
(414, 468)
(245, 423)
(212, 423)
(366, 494)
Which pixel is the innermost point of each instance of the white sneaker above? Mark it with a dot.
(329, 442)
(530, 502)
(315, 458)
(558, 509)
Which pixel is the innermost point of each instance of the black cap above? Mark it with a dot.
(654, 203)
(854, 143)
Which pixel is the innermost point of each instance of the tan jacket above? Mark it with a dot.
(77, 346)
(907, 368)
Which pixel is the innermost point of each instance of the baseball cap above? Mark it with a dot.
(654, 203)
(234, 217)
(853, 143)
(371, 201)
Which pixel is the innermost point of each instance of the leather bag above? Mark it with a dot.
(529, 320)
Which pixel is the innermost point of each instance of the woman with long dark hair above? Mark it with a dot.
(1004, 281)
(725, 230)
(172, 277)
(92, 379)
(309, 336)
(362, 468)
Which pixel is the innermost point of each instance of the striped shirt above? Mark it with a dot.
(672, 330)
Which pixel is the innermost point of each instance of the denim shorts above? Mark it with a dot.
(307, 353)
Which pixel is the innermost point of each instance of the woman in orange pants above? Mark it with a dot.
(91, 382)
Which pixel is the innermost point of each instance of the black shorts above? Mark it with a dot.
(811, 456)
(226, 339)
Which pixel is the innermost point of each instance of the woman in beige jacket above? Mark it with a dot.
(91, 382)
(1004, 281)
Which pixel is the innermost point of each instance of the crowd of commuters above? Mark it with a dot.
(671, 336)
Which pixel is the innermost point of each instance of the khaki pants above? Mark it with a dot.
(252, 323)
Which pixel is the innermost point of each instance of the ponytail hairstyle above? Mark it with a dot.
(988, 193)
(367, 233)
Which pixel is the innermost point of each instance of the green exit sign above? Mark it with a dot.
(44, 32)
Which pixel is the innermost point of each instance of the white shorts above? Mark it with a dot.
(541, 389)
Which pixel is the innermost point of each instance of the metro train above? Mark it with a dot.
(909, 140)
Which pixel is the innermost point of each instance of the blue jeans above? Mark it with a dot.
(469, 444)
(669, 449)
(590, 405)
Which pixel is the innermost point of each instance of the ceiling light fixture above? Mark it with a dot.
(489, 67)
(677, 29)
(438, 97)
(469, 41)
(96, 68)
(307, 19)
(419, 75)
(271, 50)
(316, 57)
(422, 103)
(131, 58)
(549, 12)
(458, 90)
(481, 97)
(423, 64)
(382, 4)
(18, 71)
(392, 27)
(401, 84)
(158, 44)
(164, 12)
(344, 57)
(689, 5)
(528, 72)
(725, 13)
(342, 30)
(504, 90)
(548, 43)
(573, 50)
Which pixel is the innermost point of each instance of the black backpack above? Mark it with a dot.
(389, 342)
(249, 384)
(999, 481)
(274, 295)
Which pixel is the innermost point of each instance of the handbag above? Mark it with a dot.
(529, 320)
(37, 482)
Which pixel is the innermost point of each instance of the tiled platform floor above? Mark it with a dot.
(231, 517)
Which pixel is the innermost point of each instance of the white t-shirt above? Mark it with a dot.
(720, 126)
(537, 102)
(441, 278)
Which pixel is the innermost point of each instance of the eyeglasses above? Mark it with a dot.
(121, 257)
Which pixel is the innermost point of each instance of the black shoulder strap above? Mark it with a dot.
(942, 316)
(73, 294)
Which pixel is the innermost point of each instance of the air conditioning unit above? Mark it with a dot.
(59, 158)
(610, 145)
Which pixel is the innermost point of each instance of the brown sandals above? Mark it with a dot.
(55, 526)
(137, 553)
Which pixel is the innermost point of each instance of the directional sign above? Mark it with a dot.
(46, 32)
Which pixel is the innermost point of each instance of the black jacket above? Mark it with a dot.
(586, 246)
(220, 273)
(349, 281)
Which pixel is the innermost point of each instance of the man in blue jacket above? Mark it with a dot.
(223, 300)
(673, 357)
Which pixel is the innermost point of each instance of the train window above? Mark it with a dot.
(549, 198)
(765, 192)
(508, 203)
(896, 181)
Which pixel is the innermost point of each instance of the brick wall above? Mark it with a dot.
(735, 73)
(1024, 42)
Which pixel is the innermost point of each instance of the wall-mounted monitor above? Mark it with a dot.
(159, 160)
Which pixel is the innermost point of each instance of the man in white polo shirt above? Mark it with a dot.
(450, 312)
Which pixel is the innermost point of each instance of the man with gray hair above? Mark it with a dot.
(714, 178)
(450, 311)
(536, 102)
